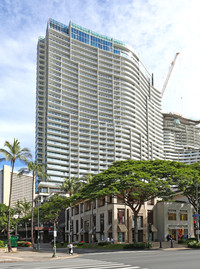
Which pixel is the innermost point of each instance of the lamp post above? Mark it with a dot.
(38, 231)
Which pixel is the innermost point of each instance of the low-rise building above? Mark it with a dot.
(174, 218)
(108, 218)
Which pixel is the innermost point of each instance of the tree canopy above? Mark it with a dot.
(135, 182)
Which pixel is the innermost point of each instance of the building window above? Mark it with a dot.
(81, 205)
(120, 200)
(183, 215)
(109, 199)
(77, 226)
(87, 206)
(121, 237)
(76, 210)
(81, 223)
(172, 215)
(139, 222)
(101, 222)
(121, 216)
(109, 217)
(94, 220)
(102, 237)
(102, 202)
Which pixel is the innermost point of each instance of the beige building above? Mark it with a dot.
(22, 186)
(174, 218)
(109, 218)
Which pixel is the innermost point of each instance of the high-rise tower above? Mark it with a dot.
(95, 104)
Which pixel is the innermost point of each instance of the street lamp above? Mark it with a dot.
(38, 231)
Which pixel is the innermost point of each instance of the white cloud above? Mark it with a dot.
(155, 29)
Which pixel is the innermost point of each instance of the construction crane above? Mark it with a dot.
(169, 74)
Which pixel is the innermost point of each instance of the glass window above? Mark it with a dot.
(109, 217)
(139, 222)
(121, 216)
(101, 222)
(121, 237)
(77, 226)
(183, 215)
(172, 215)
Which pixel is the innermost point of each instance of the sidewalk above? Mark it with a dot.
(46, 252)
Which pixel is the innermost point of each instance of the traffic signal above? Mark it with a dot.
(195, 224)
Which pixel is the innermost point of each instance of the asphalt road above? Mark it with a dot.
(152, 259)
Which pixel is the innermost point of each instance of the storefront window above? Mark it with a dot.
(172, 215)
(121, 237)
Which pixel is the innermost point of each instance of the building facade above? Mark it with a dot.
(174, 218)
(181, 138)
(96, 104)
(21, 188)
(108, 218)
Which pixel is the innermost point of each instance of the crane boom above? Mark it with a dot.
(169, 74)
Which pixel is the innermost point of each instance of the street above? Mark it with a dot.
(153, 259)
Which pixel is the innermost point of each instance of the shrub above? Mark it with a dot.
(23, 243)
(1, 244)
(103, 243)
(194, 244)
(139, 245)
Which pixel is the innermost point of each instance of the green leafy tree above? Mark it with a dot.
(36, 169)
(188, 183)
(50, 211)
(4, 218)
(134, 181)
(12, 153)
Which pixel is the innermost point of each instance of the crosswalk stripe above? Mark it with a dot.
(80, 263)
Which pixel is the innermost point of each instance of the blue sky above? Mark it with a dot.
(155, 29)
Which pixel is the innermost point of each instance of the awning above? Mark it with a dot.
(92, 230)
(81, 231)
(154, 229)
(122, 228)
(109, 228)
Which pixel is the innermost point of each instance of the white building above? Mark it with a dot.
(181, 138)
(95, 104)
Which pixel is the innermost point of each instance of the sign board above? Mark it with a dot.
(196, 215)
(198, 232)
(55, 233)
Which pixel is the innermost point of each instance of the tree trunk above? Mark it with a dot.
(135, 227)
(9, 208)
(32, 208)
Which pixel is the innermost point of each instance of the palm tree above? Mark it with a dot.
(12, 153)
(36, 169)
(71, 185)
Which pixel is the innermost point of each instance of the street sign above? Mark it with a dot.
(55, 233)
(196, 215)
(197, 231)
